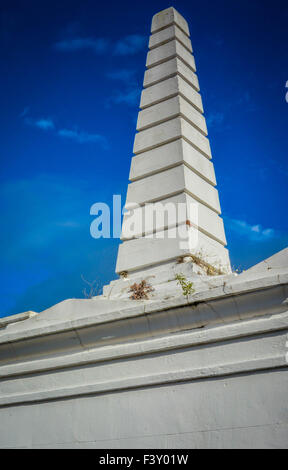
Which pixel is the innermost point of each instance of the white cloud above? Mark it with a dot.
(130, 45)
(129, 97)
(254, 232)
(44, 124)
(82, 137)
(130, 94)
(47, 124)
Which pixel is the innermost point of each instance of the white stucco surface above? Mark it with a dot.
(207, 372)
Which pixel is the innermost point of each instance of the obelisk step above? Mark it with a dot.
(170, 182)
(169, 69)
(173, 48)
(169, 131)
(168, 109)
(167, 213)
(148, 251)
(172, 162)
(168, 17)
(171, 155)
(167, 34)
(167, 89)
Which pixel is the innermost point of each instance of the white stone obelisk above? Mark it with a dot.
(172, 163)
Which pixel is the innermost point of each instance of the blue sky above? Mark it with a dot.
(72, 73)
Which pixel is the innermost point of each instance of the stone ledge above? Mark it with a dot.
(194, 338)
(147, 381)
(82, 314)
(16, 318)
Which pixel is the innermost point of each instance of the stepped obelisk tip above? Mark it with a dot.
(173, 209)
(167, 17)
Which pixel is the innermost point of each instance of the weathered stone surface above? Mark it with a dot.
(168, 131)
(207, 220)
(167, 70)
(170, 182)
(74, 423)
(167, 89)
(64, 368)
(16, 318)
(170, 143)
(167, 34)
(276, 262)
(169, 109)
(169, 50)
(170, 155)
(142, 252)
(167, 17)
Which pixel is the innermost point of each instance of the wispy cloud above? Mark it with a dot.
(130, 45)
(82, 137)
(130, 94)
(79, 136)
(253, 232)
(97, 45)
(44, 124)
(129, 97)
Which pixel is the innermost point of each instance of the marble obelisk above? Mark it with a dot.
(172, 162)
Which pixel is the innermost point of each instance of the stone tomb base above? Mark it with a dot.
(207, 372)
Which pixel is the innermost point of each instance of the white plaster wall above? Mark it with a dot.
(209, 372)
(244, 411)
